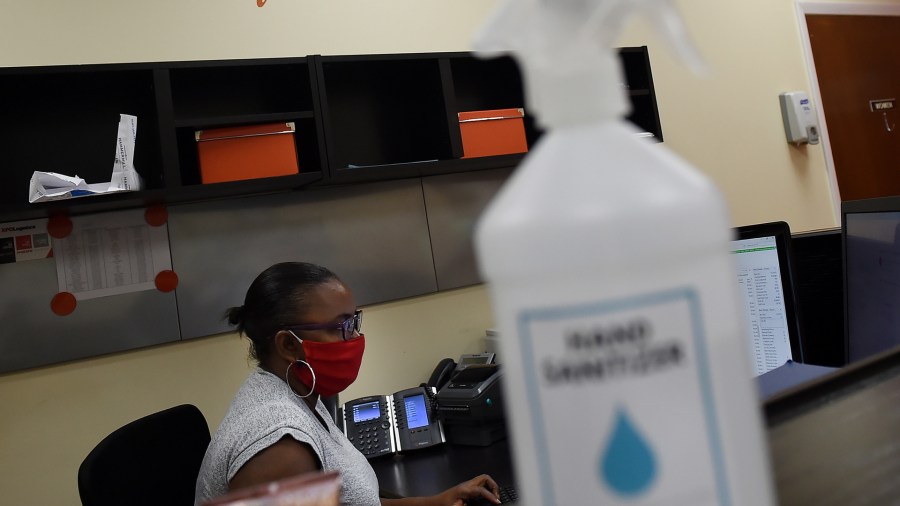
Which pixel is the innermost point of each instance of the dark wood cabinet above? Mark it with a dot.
(385, 116)
(65, 119)
(358, 118)
(639, 83)
(386, 120)
(218, 94)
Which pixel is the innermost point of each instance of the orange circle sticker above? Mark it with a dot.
(63, 303)
(59, 226)
(166, 281)
(156, 215)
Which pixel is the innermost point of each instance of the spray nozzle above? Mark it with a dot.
(564, 48)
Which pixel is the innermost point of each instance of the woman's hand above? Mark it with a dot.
(479, 490)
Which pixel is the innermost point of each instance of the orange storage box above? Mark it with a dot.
(246, 152)
(492, 132)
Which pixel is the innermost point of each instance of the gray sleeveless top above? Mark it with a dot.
(262, 412)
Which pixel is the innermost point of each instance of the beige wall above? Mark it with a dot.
(728, 124)
(51, 32)
(52, 417)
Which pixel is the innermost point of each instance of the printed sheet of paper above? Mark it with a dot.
(110, 254)
(24, 240)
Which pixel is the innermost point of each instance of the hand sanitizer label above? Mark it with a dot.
(623, 409)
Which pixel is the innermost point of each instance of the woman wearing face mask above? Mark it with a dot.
(305, 332)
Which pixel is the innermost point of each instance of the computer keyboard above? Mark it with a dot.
(508, 495)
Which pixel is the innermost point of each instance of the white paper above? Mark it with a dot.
(24, 240)
(46, 186)
(111, 254)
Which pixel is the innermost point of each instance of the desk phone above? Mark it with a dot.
(386, 424)
(368, 424)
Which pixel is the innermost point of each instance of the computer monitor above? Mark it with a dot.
(819, 275)
(871, 275)
(765, 277)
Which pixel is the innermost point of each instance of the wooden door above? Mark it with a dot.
(857, 60)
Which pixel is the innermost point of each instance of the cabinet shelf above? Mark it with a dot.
(243, 188)
(81, 205)
(390, 116)
(129, 200)
(420, 169)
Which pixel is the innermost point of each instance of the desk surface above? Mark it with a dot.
(432, 470)
(835, 440)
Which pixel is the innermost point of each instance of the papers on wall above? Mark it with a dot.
(110, 254)
(24, 240)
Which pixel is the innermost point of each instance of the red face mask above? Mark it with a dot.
(334, 365)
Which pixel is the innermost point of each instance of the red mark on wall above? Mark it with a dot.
(260, 3)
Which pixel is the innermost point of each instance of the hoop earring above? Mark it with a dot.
(287, 375)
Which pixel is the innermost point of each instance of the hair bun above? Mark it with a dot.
(236, 315)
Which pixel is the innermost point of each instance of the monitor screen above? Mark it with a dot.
(416, 416)
(820, 294)
(762, 291)
(871, 276)
(366, 411)
(765, 278)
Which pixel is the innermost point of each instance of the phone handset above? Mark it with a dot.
(417, 425)
(447, 368)
(442, 373)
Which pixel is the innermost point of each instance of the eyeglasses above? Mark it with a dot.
(347, 327)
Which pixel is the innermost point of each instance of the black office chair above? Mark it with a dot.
(154, 460)
(332, 405)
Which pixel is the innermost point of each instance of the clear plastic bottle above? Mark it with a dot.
(627, 379)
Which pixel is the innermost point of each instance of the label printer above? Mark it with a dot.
(470, 406)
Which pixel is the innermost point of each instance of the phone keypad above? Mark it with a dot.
(372, 438)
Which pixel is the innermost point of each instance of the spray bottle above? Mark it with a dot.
(627, 378)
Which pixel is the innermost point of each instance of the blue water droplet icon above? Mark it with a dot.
(627, 465)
